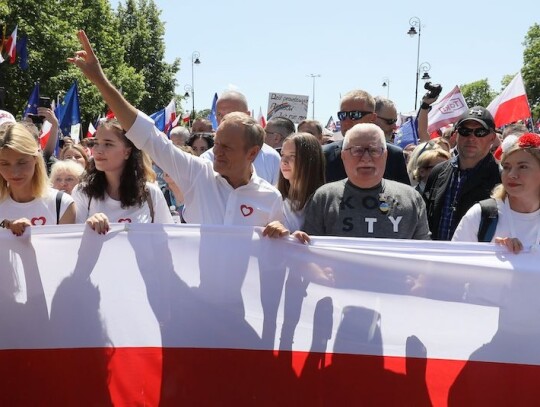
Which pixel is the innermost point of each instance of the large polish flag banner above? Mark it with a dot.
(154, 315)
(447, 110)
(512, 104)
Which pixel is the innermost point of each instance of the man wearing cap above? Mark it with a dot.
(358, 106)
(455, 185)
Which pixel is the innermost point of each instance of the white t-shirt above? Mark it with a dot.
(208, 197)
(293, 220)
(266, 163)
(526, 226)
(117, 214)
(40, 211)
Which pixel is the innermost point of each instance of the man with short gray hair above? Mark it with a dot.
(365, 204)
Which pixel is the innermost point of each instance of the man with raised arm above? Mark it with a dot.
(227, 191)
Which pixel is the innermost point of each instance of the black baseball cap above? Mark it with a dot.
(478, 114)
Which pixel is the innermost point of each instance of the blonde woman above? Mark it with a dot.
(65, 174)
(517, 198)
(26, 198)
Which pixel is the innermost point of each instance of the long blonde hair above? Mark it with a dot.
(18, 138)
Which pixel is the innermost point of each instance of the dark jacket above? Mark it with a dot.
(396, 169)
(476, 188)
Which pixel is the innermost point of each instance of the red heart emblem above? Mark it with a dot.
(126, 220)
(246, 210)
(38, 221)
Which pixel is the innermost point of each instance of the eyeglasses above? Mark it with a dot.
(466, 132)
(387, 121)
(353, 115)
(359, 151)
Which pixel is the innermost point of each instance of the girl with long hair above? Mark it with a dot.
(118, 187)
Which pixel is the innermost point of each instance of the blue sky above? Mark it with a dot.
(261, 47)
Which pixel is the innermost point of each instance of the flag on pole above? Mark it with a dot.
(159, 119)
(512, 104)
(447, 110)
(22, 50)
(407, 133)
(91, 131)
(213, 113)
(11, 46)
(170, 115)
(33, 102)
(261, 119)
(69, 113)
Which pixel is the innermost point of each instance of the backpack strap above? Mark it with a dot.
(58, 204)
(488, 221)
(150, 204)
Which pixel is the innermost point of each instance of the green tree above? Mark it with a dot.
(505, 81)
(142, 32)
(477, 93)
(531, 68)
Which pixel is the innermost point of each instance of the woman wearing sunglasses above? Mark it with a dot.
(517, 198)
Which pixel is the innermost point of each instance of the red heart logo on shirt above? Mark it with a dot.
(246, 210)
(38, 221)
(126, 220)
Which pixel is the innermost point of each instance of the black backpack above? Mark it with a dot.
(488, 221)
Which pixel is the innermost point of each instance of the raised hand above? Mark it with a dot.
(87, 61)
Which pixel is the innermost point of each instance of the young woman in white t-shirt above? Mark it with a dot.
(517, 198)
(26, 199)
(116, 186)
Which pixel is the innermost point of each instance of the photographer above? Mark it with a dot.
(429, 98)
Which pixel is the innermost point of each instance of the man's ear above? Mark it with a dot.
(252, 152)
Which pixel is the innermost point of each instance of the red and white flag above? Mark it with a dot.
(261, 119)
(170, 115)
(447, 110)
(263, 321)
(11, 46)
(44, 134)
(512, 104)
(91, 131)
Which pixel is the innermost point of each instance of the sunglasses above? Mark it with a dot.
(359, 151)
(466, 132)
(388, 121)
(353, 115)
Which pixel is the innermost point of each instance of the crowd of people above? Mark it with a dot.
(473, 183)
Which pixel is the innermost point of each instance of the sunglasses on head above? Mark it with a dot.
(466, 132)
(388, 121)
(353, 115)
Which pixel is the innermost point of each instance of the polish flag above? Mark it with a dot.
(44, 134)
(261, 119)
(186, 116)
(11, 46)
(170, 115)
(512, 104)
(447, 110)
(263, 321)
(91, 131)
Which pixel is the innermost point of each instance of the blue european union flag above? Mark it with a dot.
(69, 112)
(407, 133)
(33, 101)
(159, 119)
(213, 113)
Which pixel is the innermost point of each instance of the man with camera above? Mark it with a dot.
(455, 185)
(358, 106)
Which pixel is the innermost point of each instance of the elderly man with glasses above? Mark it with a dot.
(365, 204)
(358, 106)
(455, 185)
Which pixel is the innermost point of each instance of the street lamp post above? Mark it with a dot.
(313, 76)
(194, 61)
(386, 84)
(424, 67)
(415, 22)
(189, 90)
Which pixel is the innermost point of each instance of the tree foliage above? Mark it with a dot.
(51, 27)
(477, 93)
(531, 67)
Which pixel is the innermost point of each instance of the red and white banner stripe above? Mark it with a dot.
(164, 315)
